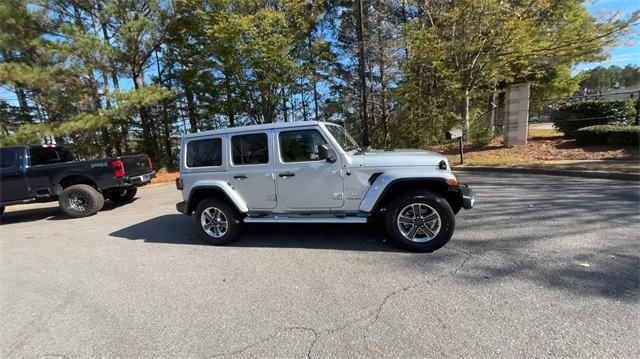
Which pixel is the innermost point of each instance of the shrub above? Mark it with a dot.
(572, 117)
(608, 134)
(625, 136)
(479, 133)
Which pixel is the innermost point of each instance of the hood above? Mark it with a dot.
(402, 158)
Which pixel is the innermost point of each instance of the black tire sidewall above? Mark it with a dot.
(233, 225)
(94, 198)
(437, 202)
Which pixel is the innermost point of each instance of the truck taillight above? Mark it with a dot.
(179, 184)
(150, 165)
(118, 168)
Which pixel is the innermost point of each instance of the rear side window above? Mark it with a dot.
(8, 158)
(250, 149)
(48, 155)
(204, 153)
(301, 145)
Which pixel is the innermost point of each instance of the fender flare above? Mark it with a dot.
(225, 188)
(384, 181)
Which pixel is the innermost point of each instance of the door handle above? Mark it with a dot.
(287, 174)
(241, 177)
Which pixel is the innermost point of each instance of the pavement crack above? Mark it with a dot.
(245, 348)
(315, 337)
(269, 338)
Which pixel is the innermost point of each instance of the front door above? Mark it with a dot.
(303, 180)
(251, 171)
(12, 174)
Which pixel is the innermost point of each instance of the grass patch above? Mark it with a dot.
(544, 132)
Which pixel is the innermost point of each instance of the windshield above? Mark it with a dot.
(343, 138)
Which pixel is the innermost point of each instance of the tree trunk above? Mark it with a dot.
(491, 112)
(464, 112)
(284, 105)
(145, 118)
(229, 99)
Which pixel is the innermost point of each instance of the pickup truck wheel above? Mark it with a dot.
(123, 196)
(217, 223)
(80, 200)
(420, 221)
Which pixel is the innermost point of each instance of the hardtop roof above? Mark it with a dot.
(262, 127)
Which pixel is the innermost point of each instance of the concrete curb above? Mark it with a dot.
(551, 172)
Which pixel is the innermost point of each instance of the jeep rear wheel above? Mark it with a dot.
(217, 223)
(420, 221)
(80, 200)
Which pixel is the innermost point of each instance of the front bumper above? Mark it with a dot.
(467, 195)
(182, 208)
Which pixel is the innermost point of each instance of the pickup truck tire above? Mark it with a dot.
(80, 200)
(420, 221)
(122, 196)
(216, 222)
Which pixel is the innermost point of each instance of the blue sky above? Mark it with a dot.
(624, 55)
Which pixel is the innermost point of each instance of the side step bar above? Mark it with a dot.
(305, 220)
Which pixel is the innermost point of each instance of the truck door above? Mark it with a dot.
(251, 171)
(304, 181)
(14, 185)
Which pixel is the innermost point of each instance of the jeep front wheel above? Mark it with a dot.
(420, 221)
(80, 200)
(216, 222)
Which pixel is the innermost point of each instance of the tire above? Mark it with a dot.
(122, 196)
(216, 222)
(80, 200)
(428, 230)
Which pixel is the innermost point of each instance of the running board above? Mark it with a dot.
(305, 220)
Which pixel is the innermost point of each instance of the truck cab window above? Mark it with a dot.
(8, 158)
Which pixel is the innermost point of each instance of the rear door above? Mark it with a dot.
(251, 171)
(13, 179)
(304, 181)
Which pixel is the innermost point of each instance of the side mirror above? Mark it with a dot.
(326, 153)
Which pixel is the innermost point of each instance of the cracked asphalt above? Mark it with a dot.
(543, 266)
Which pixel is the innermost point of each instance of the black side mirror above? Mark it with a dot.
(326, 153)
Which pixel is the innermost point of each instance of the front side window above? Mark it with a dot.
(301, 145)
(250, 149)
(8, 158)
(204, 153)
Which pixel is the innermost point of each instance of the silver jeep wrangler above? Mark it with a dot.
(314, 172)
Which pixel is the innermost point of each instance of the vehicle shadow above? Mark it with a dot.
(49, 213)
(179, 229)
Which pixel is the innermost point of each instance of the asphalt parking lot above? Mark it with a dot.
(543, 266)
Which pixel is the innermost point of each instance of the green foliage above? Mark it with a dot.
(625, 136)
(593, 135)
(608, 135)
(601, 79)
(574, 116)
(126, 76)
(479, 133)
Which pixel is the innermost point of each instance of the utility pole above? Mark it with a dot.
(363, 78)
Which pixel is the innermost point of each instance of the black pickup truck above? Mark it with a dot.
(45, 173)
